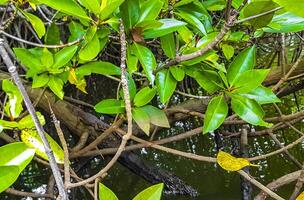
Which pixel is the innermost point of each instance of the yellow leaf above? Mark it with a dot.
(230, 163)
(80, 84)
(301, 196)
(32, 139)
(33, 6)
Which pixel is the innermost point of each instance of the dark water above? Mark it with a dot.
(212, 182)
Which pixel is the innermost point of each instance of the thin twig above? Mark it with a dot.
(40, 45)
(13, 71)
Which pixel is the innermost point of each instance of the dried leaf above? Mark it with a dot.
(230, 163)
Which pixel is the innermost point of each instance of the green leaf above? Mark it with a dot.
(32, 139)
(168, 45)
(216, 113)
(110, 106)
(146, 59)
(132, 60)
(77, 31)
(157, 116)
(166, 85)
(150, 9)
(36, 23)
(153, 192)
(40, 80)
(130, 12)
(144, 96)
(8, 124)
(2, 2)
(90, 50)
(248, 110)
(52, 35)
(258, 7)
(142, 119)
(294, 6)
(66, 6)
(262, 95)
(8, 175)
(177, 72)
(105, 193)
(108, 7)
(23, 56)
(17, 154)
(56, 85)
(13, 106)
(47, 58)
(228, 51)
(28, 123)
(63, 56)
(249, 80)
(243, 62)
(91, 5)
(208, 80)
(168, 26)
(215, 5)
(285, 23)
(191, 19)
(97, 67)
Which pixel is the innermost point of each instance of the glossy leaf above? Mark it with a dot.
(67, 6)
(258, 7)
(216, 113)
(249, 80)
(132, 60)
(90, 50)
(248, 110)
(168, 26)
(294, 6)
(8, 175)
(153, 192)
(142, 119)
(92, 5)
(284, 23)
(97, 67)
(243, 62)
(150, 9)
(13, 106)
(168, 45)
(262, 95)
(108, 7)
(36, 23)
(62, 57)
(110, 106)
(191, 19)
(166, 85)
(130, 13)
(177, 72)
(231, 163)
(17, 154)
(146, 59)
(208, 80)
(56, 85)
(144, 96)
(105, 193)
(32, 139)
(157, 116)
